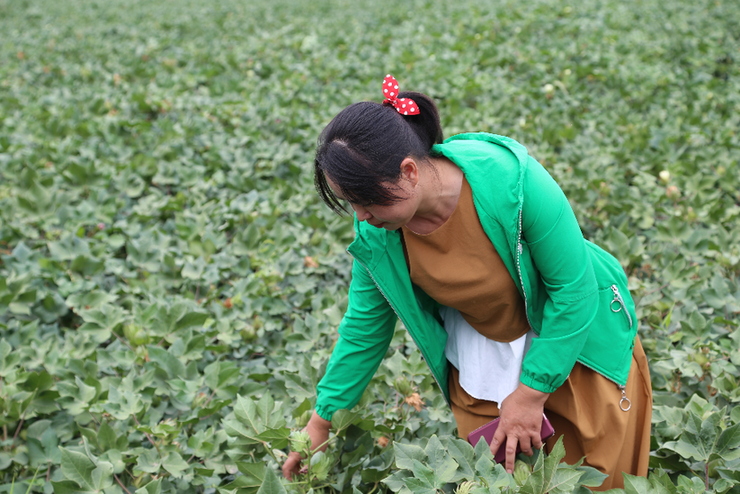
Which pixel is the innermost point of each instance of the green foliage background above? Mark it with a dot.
(170, 285)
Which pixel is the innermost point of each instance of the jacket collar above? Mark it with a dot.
(371, 243)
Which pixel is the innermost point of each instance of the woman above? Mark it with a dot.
(475, 248)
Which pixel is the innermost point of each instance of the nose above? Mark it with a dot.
(362, 213)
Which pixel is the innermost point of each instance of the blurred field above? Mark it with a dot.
(163, 252)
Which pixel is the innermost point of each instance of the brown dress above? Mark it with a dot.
(458, 266)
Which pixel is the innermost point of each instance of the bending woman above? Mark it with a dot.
(476, 249)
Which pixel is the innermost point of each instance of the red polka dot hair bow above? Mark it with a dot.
(404, 106)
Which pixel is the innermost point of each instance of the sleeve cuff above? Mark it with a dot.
(529, 380)
(324, 413)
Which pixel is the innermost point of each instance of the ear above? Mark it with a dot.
(410, 171)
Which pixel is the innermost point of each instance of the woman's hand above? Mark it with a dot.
(520, 423)
(318, 430)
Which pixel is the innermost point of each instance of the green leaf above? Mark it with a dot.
(69, 487)
(397, 480)
(728, 443)
(191, 319)
(407, 454)
(343, 419)
(564, 480)
(305, 406)
(463, 454)
(255, 418)
(148, 461)
(271, 484)
(274, 434)
(692, 485)
(425, 476)
(542, 471)
(174, 464)
(660, 480)
(251, 236)
(440, 461)
(78, 468)
(106, 437)
(320, 464)
(102, 475)
(591, 477)
(123, 405)
(153, 487)
(378, 467)
(723, 485)
(218, 374)
(254, 474)
(236, 429)
(8, 360)
(166, 361)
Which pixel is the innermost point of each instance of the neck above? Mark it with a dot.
(439, 191)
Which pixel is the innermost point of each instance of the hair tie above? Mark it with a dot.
(404, 106)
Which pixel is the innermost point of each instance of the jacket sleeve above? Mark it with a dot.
(364, 336)
(558, 250)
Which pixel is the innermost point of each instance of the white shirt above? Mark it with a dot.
(489, 370)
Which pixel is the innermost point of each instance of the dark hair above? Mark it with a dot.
(362, 148)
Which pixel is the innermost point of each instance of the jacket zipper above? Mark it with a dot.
(621, 307)
(624, 403)
(519, 250)
(398, 315)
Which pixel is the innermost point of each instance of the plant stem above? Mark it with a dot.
(146, 434)
(317, 448)
(706, 475)
(30, 484)
(208, 400)
(23, 416)
(267, 447)
(121, 484)
(123, 341)
(18, 429)
(325, 443)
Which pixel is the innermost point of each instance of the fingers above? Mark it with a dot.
(526, 443)
(318, 431)
(291, 465)
(498, 438)
(536, 442)
(511, 443)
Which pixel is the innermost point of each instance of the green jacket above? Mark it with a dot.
(575, 293)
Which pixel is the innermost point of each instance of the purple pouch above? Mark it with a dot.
(486, 431)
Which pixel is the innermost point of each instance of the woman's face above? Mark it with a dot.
(390, 217)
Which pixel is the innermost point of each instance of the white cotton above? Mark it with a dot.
(489, 370)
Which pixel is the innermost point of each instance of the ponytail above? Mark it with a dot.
(426, 124)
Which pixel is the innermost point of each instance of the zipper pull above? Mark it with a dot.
(617, 299)
(620, 304)
(624, 404)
